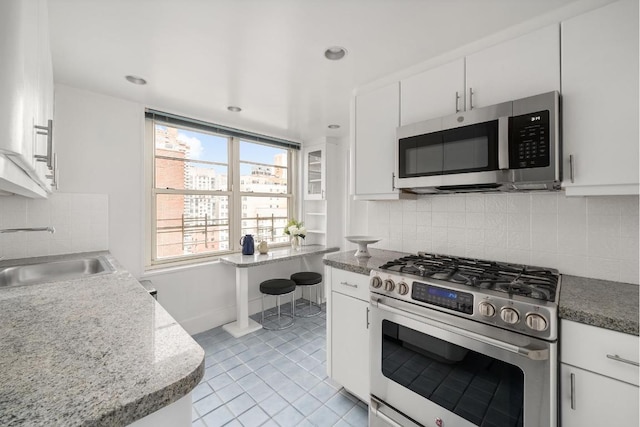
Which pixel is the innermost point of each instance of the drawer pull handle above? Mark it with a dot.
(620, 359)
(348, 284)
(573, 391)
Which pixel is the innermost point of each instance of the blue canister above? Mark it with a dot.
(247, 244)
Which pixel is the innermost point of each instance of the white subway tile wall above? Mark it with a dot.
(584, 236)
(81, 222)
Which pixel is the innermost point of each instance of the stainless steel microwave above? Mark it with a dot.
(512, 146)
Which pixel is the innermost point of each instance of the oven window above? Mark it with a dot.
(478, 388)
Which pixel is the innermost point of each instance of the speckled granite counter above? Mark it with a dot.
(274, 255)
(346, 260)
(610, 305)
(94, 351)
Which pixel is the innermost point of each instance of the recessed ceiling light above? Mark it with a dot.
(334, 126)
(136, 80)
(234, 109)
(335, 52)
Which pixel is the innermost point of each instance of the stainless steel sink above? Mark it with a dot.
(54, 271)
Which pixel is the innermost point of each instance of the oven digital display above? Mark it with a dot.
(442, 297)
(444, 293)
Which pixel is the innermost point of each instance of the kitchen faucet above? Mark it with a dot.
(20, 230)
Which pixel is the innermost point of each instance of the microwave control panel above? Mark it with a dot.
(529, 140)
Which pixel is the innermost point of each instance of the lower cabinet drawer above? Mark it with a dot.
(599, 350)
(348, 283)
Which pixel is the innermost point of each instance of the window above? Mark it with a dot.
(209, 185)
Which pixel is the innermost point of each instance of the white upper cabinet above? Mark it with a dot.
(377, 115)
(433, 93)
(314, 173)
(525, 66)
(600, 100)
(26, 82)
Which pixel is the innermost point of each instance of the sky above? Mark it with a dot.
(214, 148)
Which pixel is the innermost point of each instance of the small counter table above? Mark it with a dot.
(243, 324)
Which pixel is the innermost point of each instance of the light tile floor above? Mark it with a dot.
(272, 378)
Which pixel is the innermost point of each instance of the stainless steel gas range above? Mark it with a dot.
(463, 342)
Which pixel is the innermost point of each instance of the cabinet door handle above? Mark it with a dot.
(573, 391)
(349, 284)
(54, 172)
(367, 317)
(393, 181)
(457, 102)
(470, 98)
(46, 130)
(620, 359)
(571, 167)
(322, 194)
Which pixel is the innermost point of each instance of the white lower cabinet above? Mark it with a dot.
(598, 377)
(348, 334)
(589, 399)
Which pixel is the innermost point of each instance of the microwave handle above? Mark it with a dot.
(503, 143)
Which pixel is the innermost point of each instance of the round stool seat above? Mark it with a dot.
(306, 278)
(277, 286)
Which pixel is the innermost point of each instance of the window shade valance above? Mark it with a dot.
(172, 119)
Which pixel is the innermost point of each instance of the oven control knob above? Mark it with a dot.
(389, 285)
(486, 309)
(536, 322)
(403, 288)
(376, 282)
(509, 315)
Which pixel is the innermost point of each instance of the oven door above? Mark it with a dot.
(426, 371)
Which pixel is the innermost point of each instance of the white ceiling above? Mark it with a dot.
(266, 56)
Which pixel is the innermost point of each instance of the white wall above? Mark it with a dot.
(99, 144)
(584, 236)
(80, 220)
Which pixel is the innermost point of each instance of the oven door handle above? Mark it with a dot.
(541, 354)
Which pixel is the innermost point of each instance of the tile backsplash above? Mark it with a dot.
(80, 220)
(585, 236)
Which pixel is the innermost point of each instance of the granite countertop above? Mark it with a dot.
(347, 260)
(91, 351)
(601, 303)
(609, 305)
(274, 255)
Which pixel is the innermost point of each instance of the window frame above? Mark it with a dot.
(233, 193)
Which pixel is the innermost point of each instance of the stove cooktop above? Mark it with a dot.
(514, 279)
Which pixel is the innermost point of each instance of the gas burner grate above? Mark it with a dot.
(513, 279)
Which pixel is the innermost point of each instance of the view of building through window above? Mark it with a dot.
(194, 193)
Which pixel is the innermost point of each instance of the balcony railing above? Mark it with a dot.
(202, 234)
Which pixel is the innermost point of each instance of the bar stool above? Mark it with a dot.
(308, 279)
(278, 287)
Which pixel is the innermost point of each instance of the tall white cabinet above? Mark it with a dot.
(377, 115)
(600, 100)
(26, 105)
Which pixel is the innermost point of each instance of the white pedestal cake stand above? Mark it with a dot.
(362, 242)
